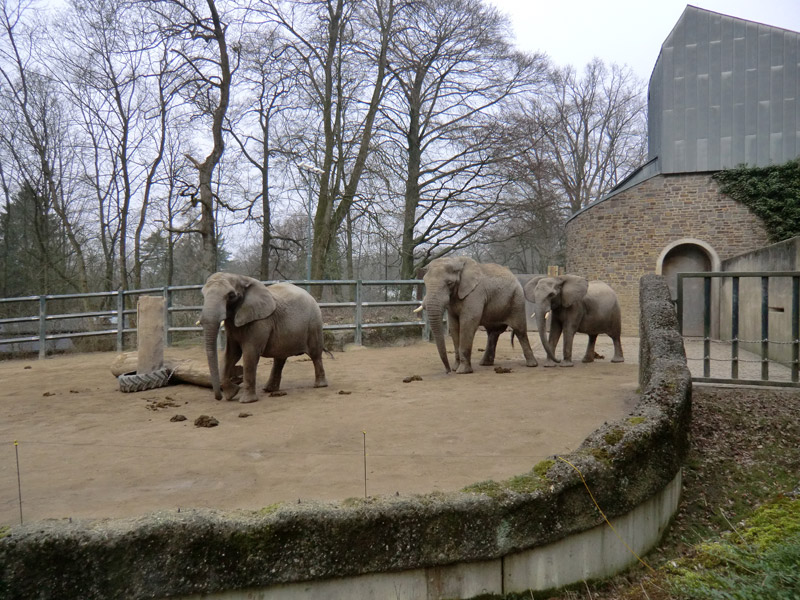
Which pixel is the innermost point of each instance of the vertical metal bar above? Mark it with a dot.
(707, 326)
(679, 285)
(120, 319)
(167, 306)
(359, 312)
(42, 326)
(795, 328)
(764, 327)
(735, 329)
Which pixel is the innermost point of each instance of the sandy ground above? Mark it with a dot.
(88, 450)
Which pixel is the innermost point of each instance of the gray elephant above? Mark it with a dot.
(276, 321)
(474, 294)
(576, 305)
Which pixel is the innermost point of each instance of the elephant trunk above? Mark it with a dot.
(541, 325)
(434, 311)
(210, 331)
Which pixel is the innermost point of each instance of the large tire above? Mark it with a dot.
(139, 382)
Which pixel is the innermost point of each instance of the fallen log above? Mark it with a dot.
(185, 370)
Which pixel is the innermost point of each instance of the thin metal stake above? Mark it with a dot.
(365, 463)
(19, 481)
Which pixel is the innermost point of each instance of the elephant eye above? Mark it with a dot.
(231, 295)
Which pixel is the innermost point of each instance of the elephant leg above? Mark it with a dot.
(319, 373)
(233, 352)
(618, 357)
(491, 346)
(455, 333)
(530, 359)
(569, 336)
(555, 335)
(466, 337)
(250, 364)
(589, 356)
(274, 383)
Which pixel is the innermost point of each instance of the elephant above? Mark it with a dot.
(474, 294)
(576, 305)
(277, 321)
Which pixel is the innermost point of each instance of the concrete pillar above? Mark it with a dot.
(150, 333)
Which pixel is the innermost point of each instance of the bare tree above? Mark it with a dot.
(266, 80)
(454, 73)
(595, 126)
(342, 60)
(34, 135)
(205, 51)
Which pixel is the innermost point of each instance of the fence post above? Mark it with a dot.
(735, 328)
(42, 326)
(359, 312)
(707, 326)
(120, 319)
(795, 328)
(167, 306)
(764, 328)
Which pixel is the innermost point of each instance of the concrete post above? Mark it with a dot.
(150, 334)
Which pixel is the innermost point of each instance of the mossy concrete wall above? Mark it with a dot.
(438, 545)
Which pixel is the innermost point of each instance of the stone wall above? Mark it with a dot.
(621, 238)
(491, 539)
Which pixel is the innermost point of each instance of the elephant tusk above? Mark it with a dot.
(418, 309)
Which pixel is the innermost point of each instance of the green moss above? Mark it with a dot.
(636, 420)
(4, 531)
(533, 481)
(613, 437)
(488, 487)
(773, 523)
(542, 467)
(755, 559)
(269, 509)
(601, 454)
(525, 484)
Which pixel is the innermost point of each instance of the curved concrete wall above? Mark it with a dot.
(534, 531)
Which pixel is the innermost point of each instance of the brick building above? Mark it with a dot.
(724, 92)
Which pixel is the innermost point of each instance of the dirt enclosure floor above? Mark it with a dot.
(85, 449)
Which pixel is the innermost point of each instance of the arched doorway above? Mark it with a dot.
(686, 256)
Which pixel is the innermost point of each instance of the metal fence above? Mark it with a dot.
(49, 323)
(750, 326)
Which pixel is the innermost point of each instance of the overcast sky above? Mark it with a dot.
(622, 31)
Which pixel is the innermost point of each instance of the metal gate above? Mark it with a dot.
(751, 332)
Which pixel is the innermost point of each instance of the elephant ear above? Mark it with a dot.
(258, 303)
(471, 275)
(530, 286)
(573, 289)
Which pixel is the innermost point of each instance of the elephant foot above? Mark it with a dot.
(588, 359)
(617, 359)
(319, 384)
(566, 363)
(229, 391)
(532, 363)
(486, 363)
(463, 370)
(247, 399)
(550, 363)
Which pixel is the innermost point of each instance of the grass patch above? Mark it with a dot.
(759, 559)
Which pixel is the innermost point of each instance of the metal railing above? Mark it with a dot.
(30, 333)
(756, 330)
